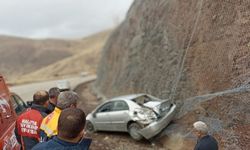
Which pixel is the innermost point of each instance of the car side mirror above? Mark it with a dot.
(94, 115)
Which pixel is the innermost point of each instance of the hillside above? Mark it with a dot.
(86, 54)
(20, 56)
(185, 51)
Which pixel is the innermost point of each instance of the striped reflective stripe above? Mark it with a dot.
(47, 130)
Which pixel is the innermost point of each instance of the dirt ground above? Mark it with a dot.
(122, 141)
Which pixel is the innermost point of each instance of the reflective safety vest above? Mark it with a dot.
(49, 123)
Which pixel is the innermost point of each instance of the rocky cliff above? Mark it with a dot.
(194, 52)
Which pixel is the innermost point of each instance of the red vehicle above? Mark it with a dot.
(7, 118)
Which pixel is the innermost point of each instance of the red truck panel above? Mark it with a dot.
(7, 119)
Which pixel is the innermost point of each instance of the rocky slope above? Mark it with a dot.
(180, 49)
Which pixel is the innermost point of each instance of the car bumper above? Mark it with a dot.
(156, 127)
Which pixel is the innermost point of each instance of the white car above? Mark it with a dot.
(63, 85)
(141, 115)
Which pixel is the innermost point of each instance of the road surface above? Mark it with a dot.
(26, 91)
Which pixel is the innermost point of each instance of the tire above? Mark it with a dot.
(90, 127)
(133, 130)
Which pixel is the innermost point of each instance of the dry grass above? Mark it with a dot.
(19, 56)
(85, 57)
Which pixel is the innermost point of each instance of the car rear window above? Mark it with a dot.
(143, 99)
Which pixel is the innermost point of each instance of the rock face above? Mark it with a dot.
(180, 49)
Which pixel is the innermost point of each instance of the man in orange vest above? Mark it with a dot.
(28, 124)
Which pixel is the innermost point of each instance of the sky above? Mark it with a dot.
(60, 18)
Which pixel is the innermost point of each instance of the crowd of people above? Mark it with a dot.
(52, 122)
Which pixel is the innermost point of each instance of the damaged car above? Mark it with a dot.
(141, 115)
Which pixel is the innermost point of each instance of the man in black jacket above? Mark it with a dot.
(53, 96)
(205, 141)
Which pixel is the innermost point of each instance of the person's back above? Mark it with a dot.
(27, 125)
(206, 143)
(49, 125)
(58, 144)
(70, 132)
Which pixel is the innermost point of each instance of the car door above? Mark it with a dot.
(119, 116)
(18, 104)
(102, 117)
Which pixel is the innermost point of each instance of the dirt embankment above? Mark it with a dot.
(180, 49)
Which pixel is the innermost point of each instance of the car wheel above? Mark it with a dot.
(133, 130)
(90, 127)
